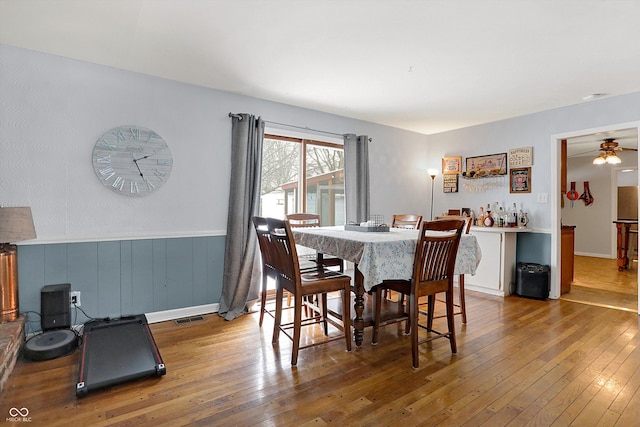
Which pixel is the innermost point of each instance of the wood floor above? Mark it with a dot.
(520, 362)
(598, 281)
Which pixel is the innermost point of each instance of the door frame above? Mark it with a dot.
(555, 189)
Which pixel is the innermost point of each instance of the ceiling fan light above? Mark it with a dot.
(613, 159)
(599, 160)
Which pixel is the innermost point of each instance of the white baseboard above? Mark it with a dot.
(159, 316)
(595, 255)
(178, 313)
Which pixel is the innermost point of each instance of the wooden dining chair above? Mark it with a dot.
(406, 221)
(462, 305)
(268, 267)
(411, 221)
(313, 220)
(433, 268)
(320, 281)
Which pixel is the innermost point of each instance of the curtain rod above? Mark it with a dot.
(239, 117)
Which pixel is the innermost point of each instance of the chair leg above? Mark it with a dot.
(277, 315)
(297, 325)
(377, 302)
(407, 326)
(413, 311)
(463, 305)
(322, 302)
(346, 317)
(431, 305)
(263, 296)
(450, 320)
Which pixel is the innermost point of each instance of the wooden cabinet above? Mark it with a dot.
(566, 257)
(496, 271)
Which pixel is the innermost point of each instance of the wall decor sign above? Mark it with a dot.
(451, 165)
(450, 183)
(491, 165)
(520, 157)
(520, 180)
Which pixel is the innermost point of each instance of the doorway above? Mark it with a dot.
(597, 280)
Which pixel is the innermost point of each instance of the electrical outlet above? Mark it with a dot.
(75, 298)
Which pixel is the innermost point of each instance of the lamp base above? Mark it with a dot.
(8, 283)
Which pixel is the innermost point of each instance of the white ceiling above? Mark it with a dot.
(423, 65)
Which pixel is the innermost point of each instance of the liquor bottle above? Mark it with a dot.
(480, 220)
(501, 222)
(513, 216)
(488, 219)
(523, 219)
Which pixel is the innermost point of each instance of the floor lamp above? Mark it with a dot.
(16, 225)
(432, 174)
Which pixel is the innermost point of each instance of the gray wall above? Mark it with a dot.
(535, 131)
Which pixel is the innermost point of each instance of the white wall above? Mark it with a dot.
(53, 109)
(534, 130)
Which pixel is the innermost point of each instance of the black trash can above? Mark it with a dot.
(532, 280)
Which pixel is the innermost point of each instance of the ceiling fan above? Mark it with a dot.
(608, 155)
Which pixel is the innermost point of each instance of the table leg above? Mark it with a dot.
(623, 245)
(358, 306)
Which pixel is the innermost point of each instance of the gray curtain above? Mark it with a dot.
(240, 284)
(356, 177)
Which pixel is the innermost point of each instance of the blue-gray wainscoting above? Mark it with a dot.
(124, 277)
(534, 248)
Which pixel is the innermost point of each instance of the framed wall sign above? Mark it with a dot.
(451, 165)
(520, 157)
(450, 183)
(520, 179)
(491, 165)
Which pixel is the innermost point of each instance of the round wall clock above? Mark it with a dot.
(132, 160)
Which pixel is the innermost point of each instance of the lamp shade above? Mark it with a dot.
(16, 225)
(613, 159)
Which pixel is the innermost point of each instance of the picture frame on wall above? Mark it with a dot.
(520, 180)
(489, 165)
(450, 183)
(451, 165)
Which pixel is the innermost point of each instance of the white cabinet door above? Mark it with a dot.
(497, 267)
(487, 277)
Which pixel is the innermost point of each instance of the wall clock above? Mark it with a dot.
(132, 160)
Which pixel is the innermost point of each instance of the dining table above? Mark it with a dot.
(378, 256)
(623, 231)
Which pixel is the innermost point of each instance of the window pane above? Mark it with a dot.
(325, 183)
(280, 174)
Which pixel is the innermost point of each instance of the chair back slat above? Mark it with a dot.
(466, 219)
(264, 237)
(285, 256)
(303, 220)
(411, 221)
(436, 251)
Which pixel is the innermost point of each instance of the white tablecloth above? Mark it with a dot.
(381, 255)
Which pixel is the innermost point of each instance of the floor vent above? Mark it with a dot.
(189, 319)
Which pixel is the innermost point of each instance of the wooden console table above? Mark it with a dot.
(622, 227)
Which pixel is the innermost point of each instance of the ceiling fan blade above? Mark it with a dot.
(583, 153)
